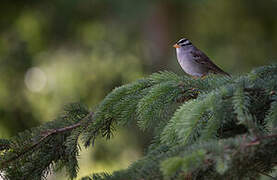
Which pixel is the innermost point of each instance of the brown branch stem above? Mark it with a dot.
(257, 140)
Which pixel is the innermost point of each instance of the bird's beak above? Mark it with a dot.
(176, 46)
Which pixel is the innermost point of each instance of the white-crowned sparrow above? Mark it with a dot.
(193, 61)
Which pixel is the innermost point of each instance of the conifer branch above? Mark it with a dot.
(258, 139)
(4, 144)
(45, 135)
(222, 128)
(265, 174)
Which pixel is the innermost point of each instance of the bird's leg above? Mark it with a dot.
(203, 76)
(194, 77)
(197, 77)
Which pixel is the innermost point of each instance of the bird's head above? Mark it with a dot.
(184, 42)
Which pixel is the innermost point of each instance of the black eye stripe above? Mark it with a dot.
(185, 43)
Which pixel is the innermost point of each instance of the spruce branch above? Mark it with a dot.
(4, 144)
(45, 135)
(265, 174)
(259, 139)
(222, 128)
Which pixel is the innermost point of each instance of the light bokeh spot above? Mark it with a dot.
(35, 79)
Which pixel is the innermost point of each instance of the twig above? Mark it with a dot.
(45, 136)
(271, 177)
(257, 140)
(254, 142)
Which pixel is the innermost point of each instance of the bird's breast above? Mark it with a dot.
(188, 64)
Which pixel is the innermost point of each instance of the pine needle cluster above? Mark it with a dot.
(212, 128)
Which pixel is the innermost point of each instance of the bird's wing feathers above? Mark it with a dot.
(203, 59)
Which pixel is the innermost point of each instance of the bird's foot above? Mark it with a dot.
(203, 76)
(199, 77)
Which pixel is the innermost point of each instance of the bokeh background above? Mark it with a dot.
(56, 52)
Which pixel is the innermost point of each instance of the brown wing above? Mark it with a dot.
(202, 58)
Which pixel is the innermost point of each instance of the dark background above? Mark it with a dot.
(56, 52)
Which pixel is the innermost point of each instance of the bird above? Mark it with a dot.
(193, 61)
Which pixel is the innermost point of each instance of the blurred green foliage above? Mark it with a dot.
(55, 52)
